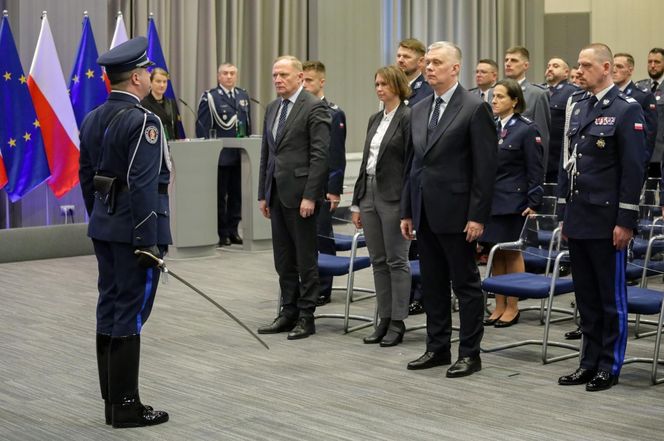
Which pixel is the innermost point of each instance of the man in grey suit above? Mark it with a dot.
(536, 96)
(291, 183)
(448, 187)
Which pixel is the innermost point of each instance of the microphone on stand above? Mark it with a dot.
(190, 109)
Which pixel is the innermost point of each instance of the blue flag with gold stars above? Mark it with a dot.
(87, 85)
(156, 55)
(20, 136)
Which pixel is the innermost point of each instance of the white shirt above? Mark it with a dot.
(228, 92)
(504, 121)
(293, 100)
(374, 145)
(447, 96)
(599, 95)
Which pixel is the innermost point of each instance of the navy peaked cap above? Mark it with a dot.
(129, 55)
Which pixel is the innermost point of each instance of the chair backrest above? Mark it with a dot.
(550, 189)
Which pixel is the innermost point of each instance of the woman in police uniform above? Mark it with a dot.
(518, 189)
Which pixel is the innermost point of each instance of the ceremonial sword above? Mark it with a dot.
(162, 265)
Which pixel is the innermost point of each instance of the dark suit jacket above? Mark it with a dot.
(392, 156)
(297, 161)
(337, 154)
(451, 174)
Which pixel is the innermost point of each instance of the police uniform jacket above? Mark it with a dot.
(603, 181)
(558, 96)
(420, 90)
(648, 103)
(133, 151)
(337, 153)
(646, 85)
(520, 170)
(224, 114)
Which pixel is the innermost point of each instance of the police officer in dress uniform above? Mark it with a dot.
(600, 182)
(557, 72)
(314, 83)
(486, 74)
(223, 112)
(655, 85)
(410, 59)
(124, 174)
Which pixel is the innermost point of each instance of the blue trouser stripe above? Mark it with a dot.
(620, 290)
(146, 295)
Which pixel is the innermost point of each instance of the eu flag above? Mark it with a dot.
(156, 55)
(20, 136)
(87, 86)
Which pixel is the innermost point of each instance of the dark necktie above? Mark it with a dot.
(482, 96)
(591, 104)
(282, 117)
(434, 116)
(654, 87)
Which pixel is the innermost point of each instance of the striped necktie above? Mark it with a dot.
(282, 118)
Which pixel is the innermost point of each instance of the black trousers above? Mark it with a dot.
(445, 258)
(601, 296)
(295, 251)
(229, 200)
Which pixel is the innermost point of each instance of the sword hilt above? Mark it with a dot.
(160, 262)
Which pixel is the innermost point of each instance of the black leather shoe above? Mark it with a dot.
(503, 324)
(490, 321)
(603, 380)
(574, 335)
(280, 324)
(579, 376)
(464, 366)
(323, 300)
(132, 413)
(415, 308)
(394, 334)
(225, 242)
(429, 360)
(303, 329)
(379, 332)
(235, 239)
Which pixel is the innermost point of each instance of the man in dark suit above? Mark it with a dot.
(655, 85)
(291, 183)
(410, 59)
(447, 198)
(557, 72)
(600, 181)
(314, 83)
(124, 172)
(223, 112)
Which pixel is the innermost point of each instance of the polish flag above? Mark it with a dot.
(55, 114)
(3, 172)
(119, 37)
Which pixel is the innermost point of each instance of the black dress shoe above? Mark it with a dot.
(603, 380)
(379, 332)
(323, 300)
(579, 376)
(132, 413)
(573, 335)
(280, 324)
(235, 238)
(415, 308)
(503, 324)
(303, 329)
(464, 366)
(225, 242)
(429, 360)
(394, 334)
(490, 321)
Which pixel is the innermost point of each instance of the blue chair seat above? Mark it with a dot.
(646, 225)
(329, 265)
(644, 300)
(635, 269)
(544, 237)
(526, 285)
(344, 242)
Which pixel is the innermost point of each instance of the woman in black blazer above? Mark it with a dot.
(165, 108)
(517, 192)
(376, 201)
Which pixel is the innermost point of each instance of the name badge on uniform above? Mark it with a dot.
(601, 143)
(605, 121)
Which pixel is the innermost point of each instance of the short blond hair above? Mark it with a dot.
(295, 62)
